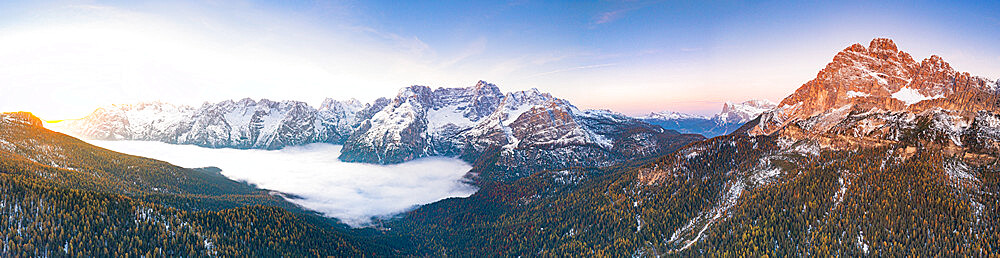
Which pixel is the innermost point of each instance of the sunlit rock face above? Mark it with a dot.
(880, 78)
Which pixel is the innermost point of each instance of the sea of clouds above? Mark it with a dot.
(351, 192)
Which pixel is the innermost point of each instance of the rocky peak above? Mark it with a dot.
(246, 102)
(671, 115)
(532, 96)
(414, 92)
(878, 77)
(934, 64)
(743, 112)
(882, 44)
(485, 88)
(349, 105)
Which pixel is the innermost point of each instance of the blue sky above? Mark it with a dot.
(628, 56)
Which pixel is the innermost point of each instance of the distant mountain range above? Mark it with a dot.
(243, 124)
(518, 132)
(733, 116)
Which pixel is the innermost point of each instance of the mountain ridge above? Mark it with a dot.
(528, 130)
(730, 118)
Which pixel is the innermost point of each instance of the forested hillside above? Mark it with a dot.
(64, 197)
(736, 195)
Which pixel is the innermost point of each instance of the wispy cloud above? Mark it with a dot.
(606, 17)
(412, 45)
(614, 15)
(572, 69)
(474, 48)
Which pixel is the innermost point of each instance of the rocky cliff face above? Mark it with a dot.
(880, 78)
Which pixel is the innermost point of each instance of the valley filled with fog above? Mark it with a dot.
(351, 192)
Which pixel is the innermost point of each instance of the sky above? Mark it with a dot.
(63, 59)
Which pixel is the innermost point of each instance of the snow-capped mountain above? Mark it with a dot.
(880, 79)
(732, 116)
(522, 131)
(739, 113)
(512, 133)
(671, 115)
(243, 124)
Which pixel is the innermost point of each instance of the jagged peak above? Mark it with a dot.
(247, 101)
(485, 88)
(879, 48)
(857, 47)
(934, 63)
(413, 90)
(671, 115)
(143, 105)
(349, 101)
(934, 59)
(882, 44)
(529, 93)
(330, 104)
(482, 83)
(755, 103)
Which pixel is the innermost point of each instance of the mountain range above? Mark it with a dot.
(518, 132)
(732, 116)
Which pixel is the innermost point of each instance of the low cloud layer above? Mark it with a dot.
(351, 192)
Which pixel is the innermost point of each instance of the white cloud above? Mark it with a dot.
(351, 192)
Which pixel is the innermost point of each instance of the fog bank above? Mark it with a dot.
(351, 192)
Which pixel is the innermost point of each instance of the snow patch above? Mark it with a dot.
(855, 94)
(860, 242)
(839, 196)
(728, 201)
(449, 115)
(766, 175)
(958, 171)
(912, 96)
